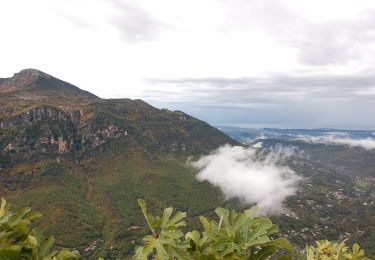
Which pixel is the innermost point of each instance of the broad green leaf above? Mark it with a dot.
(175, 220)
(257, 241)
(66, 254)
(166, 215)
(223, 214)
(230, 248)
(242, 221)
(46, 246)
(273, 229)
(161, 253)
(142, 252)
(194, 235)
(180, 253)
(205, 223)
(150, 222)
(19, 216)
(31, 242)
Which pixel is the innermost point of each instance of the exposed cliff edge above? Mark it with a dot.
(41, 114)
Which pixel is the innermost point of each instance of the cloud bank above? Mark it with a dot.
(252, 176)
(339, 139)
(266, 63)
(282, 100)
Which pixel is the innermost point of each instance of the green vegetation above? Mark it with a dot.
(19, 241)
(332, 202)
(234, 236)
(327, 250)
(103, 200)
(83, 161)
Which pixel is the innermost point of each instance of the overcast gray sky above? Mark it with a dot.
(260, 63)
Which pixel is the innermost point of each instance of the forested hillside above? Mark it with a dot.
(83, 161)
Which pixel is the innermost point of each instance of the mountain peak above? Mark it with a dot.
(25, 75)
(22, 80)
(30, 74)
(40, 84)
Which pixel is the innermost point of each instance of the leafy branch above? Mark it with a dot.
(231, 235)
(19, 241)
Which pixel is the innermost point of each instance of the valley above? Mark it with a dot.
(83, 162)
(336, 198)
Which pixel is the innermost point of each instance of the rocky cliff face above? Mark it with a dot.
(84, 161)
(37, 114)
(48, 131)
(51, 126)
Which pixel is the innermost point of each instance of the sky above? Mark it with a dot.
(254, 63)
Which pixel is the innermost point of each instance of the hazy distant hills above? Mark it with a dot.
(247, 134)
(349, 150)
(336, 199)
(83, 161)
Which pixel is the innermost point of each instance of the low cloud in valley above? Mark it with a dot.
(339, 139)
(250, 175)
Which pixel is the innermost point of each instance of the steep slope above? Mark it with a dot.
(83, 161)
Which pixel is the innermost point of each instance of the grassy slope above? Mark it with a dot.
(97, 199)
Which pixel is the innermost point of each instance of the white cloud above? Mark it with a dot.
(339, 139)
(251, 176)
(258, 145)
(248, 140)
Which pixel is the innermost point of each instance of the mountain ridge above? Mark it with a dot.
(78, 158)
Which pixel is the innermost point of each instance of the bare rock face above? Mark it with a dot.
(61, 145)
(36, 114)
(30, 74)
(52, 131)
(42, 117)
(21, 80)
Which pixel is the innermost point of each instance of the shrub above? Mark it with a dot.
(235, 236)
(232, 236)
(329, 250)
